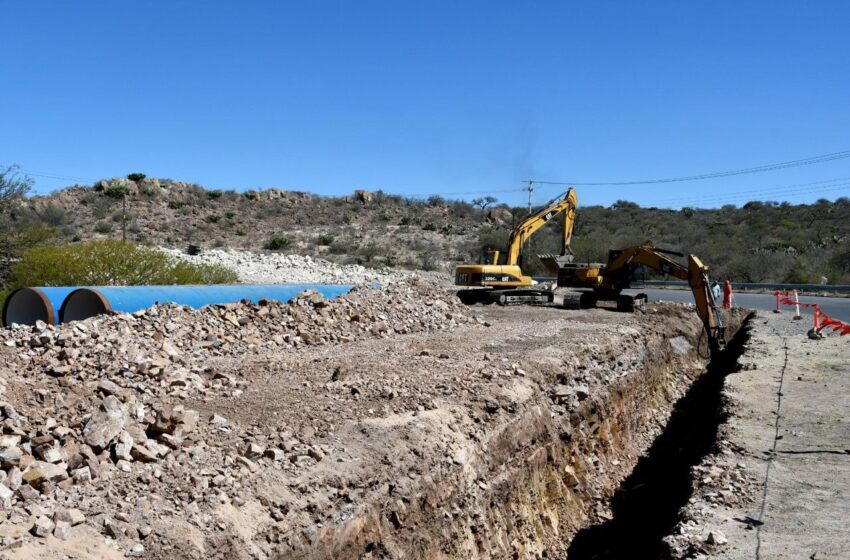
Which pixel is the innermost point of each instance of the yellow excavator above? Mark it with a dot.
(500, 278)
(606, 282)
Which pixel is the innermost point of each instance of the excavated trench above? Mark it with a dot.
(646, 505)
(601, 476)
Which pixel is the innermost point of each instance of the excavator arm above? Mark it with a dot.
(534, 222)
(617, 274)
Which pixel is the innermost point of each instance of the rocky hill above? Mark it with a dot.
(761, 241)
(367, 228)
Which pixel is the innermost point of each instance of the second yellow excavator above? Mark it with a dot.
(606, 282)
(500, 278)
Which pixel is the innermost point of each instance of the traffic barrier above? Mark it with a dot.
(820, 320)
(797, 315)
(837, 326)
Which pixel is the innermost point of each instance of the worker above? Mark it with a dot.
(715, 290)
(727, 294)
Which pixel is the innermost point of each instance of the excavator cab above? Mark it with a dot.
(491, 255)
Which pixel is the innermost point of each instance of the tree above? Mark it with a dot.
(17, 231)
(13, 187)
(483, 203)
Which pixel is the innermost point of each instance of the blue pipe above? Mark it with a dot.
(25, 306)
(83, 303)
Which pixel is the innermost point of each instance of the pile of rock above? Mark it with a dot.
(101, 402)
(277, 268)
(166, 347)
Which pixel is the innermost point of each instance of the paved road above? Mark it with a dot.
(835, 307)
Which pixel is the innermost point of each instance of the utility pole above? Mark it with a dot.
(124, 218)
(527, 242)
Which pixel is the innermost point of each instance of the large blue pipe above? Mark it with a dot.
(25, 306)
(83, 303)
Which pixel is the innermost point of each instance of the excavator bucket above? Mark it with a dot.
(554, 263)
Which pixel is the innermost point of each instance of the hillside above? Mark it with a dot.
(759, 242)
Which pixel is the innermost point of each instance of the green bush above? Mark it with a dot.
(340, 248)
(326, 239)
(369, 252)
(213, 218)
(104, 263)
(103, 227)
(278, 242)
(176, 204)
(116, 191)
(53, 215)
(241, 232)
(214, 194)
(136, 177)
(230, 215)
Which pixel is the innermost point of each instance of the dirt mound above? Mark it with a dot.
(94, 409)
(384, 423)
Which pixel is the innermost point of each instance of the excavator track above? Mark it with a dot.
(505, 297)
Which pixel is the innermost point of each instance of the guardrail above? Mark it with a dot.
(760, 286)
(735, 285)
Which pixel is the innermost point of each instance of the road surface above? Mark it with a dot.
(835, 307)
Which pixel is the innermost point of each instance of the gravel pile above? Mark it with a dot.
(279, 268)
(94, 429)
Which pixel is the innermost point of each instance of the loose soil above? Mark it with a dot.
(501, 436)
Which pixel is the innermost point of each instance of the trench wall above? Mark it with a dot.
(535, 480)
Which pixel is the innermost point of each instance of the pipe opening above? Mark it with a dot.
(25, 306)
(82, 304)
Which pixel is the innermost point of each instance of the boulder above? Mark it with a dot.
(105, 423)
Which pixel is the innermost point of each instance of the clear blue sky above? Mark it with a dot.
(430, 97)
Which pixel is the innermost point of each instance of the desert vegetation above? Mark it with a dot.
(761, 241)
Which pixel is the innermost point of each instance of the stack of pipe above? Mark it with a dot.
(54, 305)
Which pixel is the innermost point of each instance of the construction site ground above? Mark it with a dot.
(788, 432)
(397, 423)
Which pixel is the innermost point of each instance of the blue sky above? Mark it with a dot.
(431, 97)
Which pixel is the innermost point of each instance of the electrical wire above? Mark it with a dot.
(49, 175)
(758, 191)
(737, 197)
(744, 171)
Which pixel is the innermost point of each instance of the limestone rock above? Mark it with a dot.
(105, 423)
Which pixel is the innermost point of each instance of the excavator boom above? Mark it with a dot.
(617, 274)
(526, 228)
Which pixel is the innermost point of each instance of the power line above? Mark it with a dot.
(738, 198)
(757, 192)
(50, 175)
(466, 192)
(747, 170)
